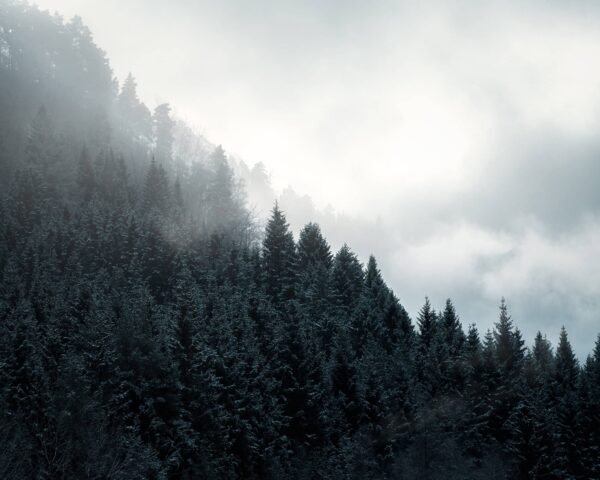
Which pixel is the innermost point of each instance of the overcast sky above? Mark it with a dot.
(468, 130)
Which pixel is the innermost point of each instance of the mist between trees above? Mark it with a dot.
(149, 328)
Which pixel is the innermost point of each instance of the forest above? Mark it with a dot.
(150, 328)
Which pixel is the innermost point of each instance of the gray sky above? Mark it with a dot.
(469, 129)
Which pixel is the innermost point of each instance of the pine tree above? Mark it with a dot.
(367, 320)
(473, 348)
(156, 188)
(135, 115)
(28, 197)
(432, 356)
(543, 357)
(504, 340)
(128, 98)
(451, 338)
(279, 258)
(112, 180)
(454, 336)
(224, 207)
(301, 382)
(86, 182)
(163, 133)
(566, 457)
(588, 430)
(41, 146)
(177, 196)
(345, 389)
(375, 287)
(428, 323)
(347, 279)
(397, 328)
(313, 249)
(566, 365)
(314, 282)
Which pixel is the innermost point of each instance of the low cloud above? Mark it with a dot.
(458, 142)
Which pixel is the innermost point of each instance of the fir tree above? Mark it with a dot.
(86, 181)
(428, 323)
(508, 345)
(156, 188)
(163, 133)
(41, 147)
(566, 365)
(313, 249)
(454, 336)
(589, 415)
(566, 457)
(346, 278)
(279, 258)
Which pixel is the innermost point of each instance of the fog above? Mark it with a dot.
(454, 141)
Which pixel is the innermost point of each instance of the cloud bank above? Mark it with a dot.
(457, 141)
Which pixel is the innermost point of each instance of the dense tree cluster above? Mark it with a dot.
(147, 332)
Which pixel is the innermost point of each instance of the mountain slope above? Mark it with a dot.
(146, 332)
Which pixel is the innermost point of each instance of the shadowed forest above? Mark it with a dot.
(150, 328)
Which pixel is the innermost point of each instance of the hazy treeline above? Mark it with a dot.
(147, 330)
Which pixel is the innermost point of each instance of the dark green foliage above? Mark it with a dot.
(145, 333)
(313, 249)
(157, 193)
(427, 323)
(588, 419)
(346, 279)
(279, 258)
(452, 331)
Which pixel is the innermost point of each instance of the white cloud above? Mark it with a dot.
(452, 122)
(549, 281)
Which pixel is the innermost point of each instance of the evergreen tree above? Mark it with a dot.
(314, 286)
(566, 457)
(145, 333)
(135, 114)
(451, 339)
(566, 365)
(454, 336)
(156, 188)
(41, 146)
(28, 197)
(313, 249)
(347, 279)
(543, 357)
(86, 181)
(163, 133)
(428, 323)
(508, 345)
(588, 425)
(224, 207)
(397, 329)
(279, 258)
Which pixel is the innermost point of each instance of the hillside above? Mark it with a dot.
(148, 329)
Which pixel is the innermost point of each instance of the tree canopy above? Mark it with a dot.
(150, 329)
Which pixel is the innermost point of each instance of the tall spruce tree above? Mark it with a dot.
(279, 258)
(313, 249)
(454, 336)
(427, 322)
(589, 415)
(508, 348)
(163, 133)
(346, 279)
(566, 459)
